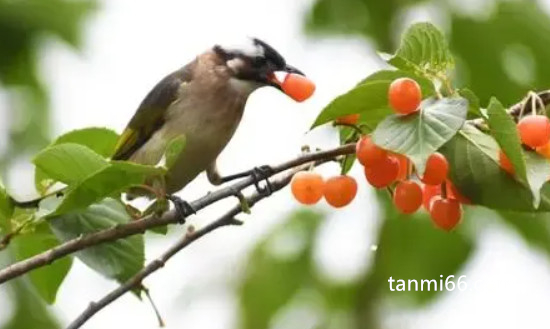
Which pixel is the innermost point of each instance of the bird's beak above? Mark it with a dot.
(275, 82)
(292, 69)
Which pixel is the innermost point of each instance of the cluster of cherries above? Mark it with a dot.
(386, 169)
(534, 132)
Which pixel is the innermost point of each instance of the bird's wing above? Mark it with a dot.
(151, 113)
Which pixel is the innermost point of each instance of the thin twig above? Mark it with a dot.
(516, 109)
(187, 239)
(152, 221)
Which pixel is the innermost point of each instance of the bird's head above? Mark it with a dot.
(254, 63)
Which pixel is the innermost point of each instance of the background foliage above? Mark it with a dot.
(24, 27)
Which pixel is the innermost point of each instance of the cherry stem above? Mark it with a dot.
(352, 126)
(390, 191)
(444, 190)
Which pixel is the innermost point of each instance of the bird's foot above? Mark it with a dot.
(258, 174)
(262, 173)
(183, 208)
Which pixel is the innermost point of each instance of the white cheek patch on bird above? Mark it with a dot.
(236, 64)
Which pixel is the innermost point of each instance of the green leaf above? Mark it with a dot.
(69, 163)
(100, 140)
(410, 247)
(47, 279)
(173, 150)
(475, 170)
(474, 107)
(538, 173)
(503, 128)
(347, 163)
(369, 98)
(424, 51)
(6, 209)
(420, 134)
(108, 181)
(349, 160)
(119, 259)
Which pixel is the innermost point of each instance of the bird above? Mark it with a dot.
(203, 101)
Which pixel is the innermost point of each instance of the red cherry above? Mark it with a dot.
(382, 173)
(369, 153)
(428, 193)
(436, 171)
(534, 130)
(340, 190)
(349, 119)
(407, 197)
(404, 95)
(505, 163)
(403, 166)
(307, 187)
(445, 213)
(298, 87)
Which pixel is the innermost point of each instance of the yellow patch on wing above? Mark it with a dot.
(125, 141)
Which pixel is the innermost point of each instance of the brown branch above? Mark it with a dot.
(515, 109)
(135, 281)
(149, 222)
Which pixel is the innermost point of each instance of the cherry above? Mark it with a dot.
(544, 150)
(349, 119)
(403, 166)
(404, 95)
(298, 87)
(437, 168)
(307, 187)
(369, 153)
(505, 163)
(407, 197)
(383, 172)
(534, 130)
(445, 213)
(340, 190)
(428, 193)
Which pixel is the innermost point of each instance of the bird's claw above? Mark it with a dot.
(262, 173)
(183, 208)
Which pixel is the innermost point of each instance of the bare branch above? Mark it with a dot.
(151, 221)
(190, 237)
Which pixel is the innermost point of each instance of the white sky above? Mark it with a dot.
(131, 44)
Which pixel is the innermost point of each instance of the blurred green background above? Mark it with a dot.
(501, 49)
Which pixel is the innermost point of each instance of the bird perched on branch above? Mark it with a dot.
(203, 101)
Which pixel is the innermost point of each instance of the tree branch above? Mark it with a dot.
(151, 221)
(190, 237)
(516, 109)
